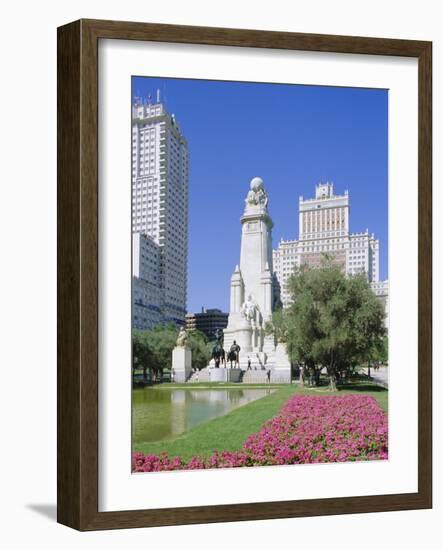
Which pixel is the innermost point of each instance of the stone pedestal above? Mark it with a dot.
(181, 363)
(244, 336)
(218, 375)
(225, 375)
(282, 365)
(234, 375)
(269, 344)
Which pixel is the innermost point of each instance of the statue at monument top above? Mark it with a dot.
(257, 195)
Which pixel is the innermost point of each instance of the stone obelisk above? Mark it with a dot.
(252, 283)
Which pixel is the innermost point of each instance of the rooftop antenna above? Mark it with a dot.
(158, 95)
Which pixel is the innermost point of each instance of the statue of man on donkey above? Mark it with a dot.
(234, 354)
(219, 355)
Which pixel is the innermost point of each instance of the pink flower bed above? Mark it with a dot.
(308, 429)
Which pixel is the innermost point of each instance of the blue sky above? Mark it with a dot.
(290, 135)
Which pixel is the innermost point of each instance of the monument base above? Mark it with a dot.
(281, 364)
(222, 374)
(240, 331)
(181, 363)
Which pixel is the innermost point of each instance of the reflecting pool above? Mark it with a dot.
(159, 412)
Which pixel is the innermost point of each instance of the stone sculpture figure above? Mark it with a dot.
(257, 195)
(181, 358)
(234, 354)
(218, 354)
(182, 338)
(219, 336)
(249, 309)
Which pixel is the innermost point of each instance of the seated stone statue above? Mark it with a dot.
(249, 309)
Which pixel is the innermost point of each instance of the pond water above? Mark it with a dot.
(158, 413)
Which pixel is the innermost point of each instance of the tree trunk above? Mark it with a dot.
(301, 377)
(332, 377)
(332, 374)
(332, 381)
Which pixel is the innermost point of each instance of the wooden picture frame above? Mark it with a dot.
(78, 274)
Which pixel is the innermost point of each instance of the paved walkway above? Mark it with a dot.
(381, 376)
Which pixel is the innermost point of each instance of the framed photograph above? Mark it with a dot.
(244, 275)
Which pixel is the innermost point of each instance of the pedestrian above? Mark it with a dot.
(249, 363)
(268, 376)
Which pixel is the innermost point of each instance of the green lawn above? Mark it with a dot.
(229, 432)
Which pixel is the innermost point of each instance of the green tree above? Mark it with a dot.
(161, 339)
(382, 352)
(200, 348)
(142, 354)
(334, 322)
(152, 349)
(278, 326)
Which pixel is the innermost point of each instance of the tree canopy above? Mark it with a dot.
(152, 349)
(335, 322)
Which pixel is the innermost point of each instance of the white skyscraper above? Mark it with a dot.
(160, 202)
(324, 229)
(147, 308)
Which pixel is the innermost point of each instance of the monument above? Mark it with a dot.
(254, 294)
(181, 358)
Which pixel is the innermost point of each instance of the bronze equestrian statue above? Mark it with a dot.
(234, 354)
